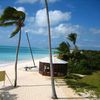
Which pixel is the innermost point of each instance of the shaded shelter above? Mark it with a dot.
(60, 67)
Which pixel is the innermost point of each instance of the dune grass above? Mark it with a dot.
(89, 83)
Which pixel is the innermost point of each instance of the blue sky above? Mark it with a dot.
(66, 16)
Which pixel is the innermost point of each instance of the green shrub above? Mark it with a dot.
(78, 67)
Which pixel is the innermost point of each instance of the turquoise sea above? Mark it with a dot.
(8, 54)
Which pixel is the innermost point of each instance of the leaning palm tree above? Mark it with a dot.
(54, 96)
(72, 37)
(10, 17)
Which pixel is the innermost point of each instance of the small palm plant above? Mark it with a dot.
(64, 48)
(11, 17)
(72, 37)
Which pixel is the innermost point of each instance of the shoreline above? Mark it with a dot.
(6, 63)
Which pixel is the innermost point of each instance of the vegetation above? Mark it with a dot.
(11, 17)
(81, 62)
(93, 59)
(63, 50)
(72, 37)
(89, 83)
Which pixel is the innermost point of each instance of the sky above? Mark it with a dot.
(66, 16)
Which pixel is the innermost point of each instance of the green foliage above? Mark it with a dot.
(79, 61)
(63, 48)
(72, 37)
(93, 57)
(85, 62)
(8, 14)
(78, 67)
(76, 55)
(15, 31)
(87, 83)
(82, 67)
(10, 17)
(7, 24)
(11, 13)
(72, 76)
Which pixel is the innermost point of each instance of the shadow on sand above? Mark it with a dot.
(8, 88)
(35, 85)
(77, 98)
(5, 95)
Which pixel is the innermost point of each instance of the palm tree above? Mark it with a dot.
(72, 37)
(64, 48)
(54, 96)
(10, 17)
(63, 51)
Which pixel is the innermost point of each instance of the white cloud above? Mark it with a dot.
(56, 31)
(53, 0)
(40, 18)
(38, 23)
(95, 30)
(56, 17)
(27, 1)
(20, 8)
(50, 1)
(64, 29)
(34, 1)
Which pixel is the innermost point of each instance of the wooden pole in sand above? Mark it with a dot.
(30, 48)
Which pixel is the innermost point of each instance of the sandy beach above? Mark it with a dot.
(32, 85)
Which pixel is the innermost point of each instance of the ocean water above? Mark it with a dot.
(8, 54)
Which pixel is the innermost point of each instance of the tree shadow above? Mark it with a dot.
(8, 88)
(36, 85)
(75, 85)
(5, 95)
(76, 98)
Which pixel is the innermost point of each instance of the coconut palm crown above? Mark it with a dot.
(72, 37)
(10, 17)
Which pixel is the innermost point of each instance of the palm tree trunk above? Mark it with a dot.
(17, 51)
(54, 96)
(30, 49)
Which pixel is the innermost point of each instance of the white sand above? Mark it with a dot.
(32, 85)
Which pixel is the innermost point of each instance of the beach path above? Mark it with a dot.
(33, 86)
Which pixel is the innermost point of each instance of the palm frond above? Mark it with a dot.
(15, 31)
(8, 14)
(67, 43)
(7, 23)
(72, 37)
(20, 15)
(11, 16)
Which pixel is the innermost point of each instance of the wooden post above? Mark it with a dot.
(30, 48)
